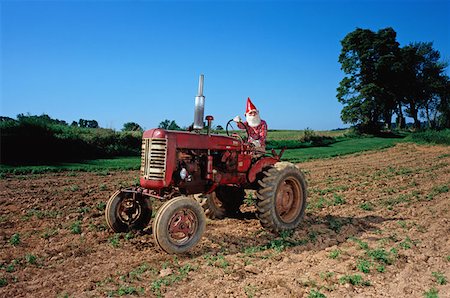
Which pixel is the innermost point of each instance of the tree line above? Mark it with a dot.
(383, 79)
(32, 139)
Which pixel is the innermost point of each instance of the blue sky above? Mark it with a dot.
(122, 61)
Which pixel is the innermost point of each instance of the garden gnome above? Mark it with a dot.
(255, 126)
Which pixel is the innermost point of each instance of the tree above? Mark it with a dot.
(88, 123)
(443, 119)
(426, 82)
(381, 79)
(131, 126)
(169, 124)
(369, 61)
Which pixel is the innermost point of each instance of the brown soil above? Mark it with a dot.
(386, 213)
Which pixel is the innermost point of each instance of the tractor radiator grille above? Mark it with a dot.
(153, 159)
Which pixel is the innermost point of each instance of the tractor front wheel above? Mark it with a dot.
(126, 211)
(179, 225)
(281, 197)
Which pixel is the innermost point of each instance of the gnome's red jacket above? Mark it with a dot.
(258, 133)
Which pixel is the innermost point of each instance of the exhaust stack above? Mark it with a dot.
(199, 106)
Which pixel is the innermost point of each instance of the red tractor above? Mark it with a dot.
(190, 170)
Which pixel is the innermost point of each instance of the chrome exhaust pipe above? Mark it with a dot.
(199, 109)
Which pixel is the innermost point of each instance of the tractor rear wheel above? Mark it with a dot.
(126, 211)
(224, 201)
(179, 225)
(281, 197)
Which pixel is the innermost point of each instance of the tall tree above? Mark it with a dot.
(425, 84)
(368, 92)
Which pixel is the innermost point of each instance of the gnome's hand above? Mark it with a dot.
(237, 119)
(256, 143)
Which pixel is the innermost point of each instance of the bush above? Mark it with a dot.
(40, 139)
(430, 136)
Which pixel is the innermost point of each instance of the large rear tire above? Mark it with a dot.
(127, 211)
(179, 225)
(224, 202)
(282, 197)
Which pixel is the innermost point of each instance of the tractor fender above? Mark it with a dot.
(259, 166)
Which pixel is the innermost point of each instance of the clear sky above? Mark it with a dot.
(139, 61)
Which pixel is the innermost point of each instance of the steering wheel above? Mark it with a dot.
(231, 127)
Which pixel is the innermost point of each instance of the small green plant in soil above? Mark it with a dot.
(367, 206)
(126, 290)
(363, 265)
(440, 278)
(75, 227)
(15, 239)
(31, 259)
(170, 279)
(334, 254)
(114, 240)
(355, 279)
(316, 294)
(432, 293)
(3, 282)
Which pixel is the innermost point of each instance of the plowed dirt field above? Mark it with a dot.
(377, 225)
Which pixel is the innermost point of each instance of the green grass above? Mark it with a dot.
(97, 165)
(347, 146)
(430, 137)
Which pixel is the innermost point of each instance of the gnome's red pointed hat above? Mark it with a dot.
(250, 107)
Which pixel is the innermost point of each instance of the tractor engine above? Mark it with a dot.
(192, 163)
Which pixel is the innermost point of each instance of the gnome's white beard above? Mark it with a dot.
(253, 121)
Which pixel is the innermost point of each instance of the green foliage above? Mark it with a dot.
(440, 278)
(366, 206)
(381, 79)
(334, 254)
(278, 244)
(53, 140)
(75, 227)
(114, 240)
(355, 279)
(343, 147)
(380, 255)
(132, 126)
(31, 259)
(3, 282)
(432, 293)
(169, 125)
(217, 261)
(436, 191)
(430, 137)
(315, 294)
(15, 239)
(175, 277)
(101, 166)
(125, 290)
(364, 265)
